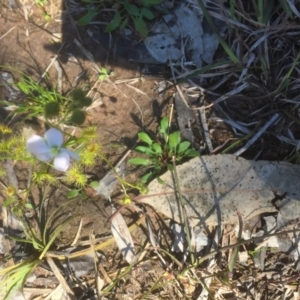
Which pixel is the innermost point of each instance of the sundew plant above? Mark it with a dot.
(52, 158)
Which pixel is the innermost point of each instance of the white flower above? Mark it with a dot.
(49, 148)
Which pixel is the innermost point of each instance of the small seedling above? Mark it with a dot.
(105, 74)
(161, 151)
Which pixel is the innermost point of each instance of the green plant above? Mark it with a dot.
(57, 109)
(161, 151)
(137, 11)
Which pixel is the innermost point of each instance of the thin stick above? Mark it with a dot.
(61, 279)
(206, 131)
(7, 32)
(51, 63)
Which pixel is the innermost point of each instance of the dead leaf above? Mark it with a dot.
(122, 236)
(109, 182)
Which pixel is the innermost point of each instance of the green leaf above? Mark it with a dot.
(102, 77)
(145, 138)
(147, 177)
(114, 23)
(86, 19)
(183, 146)
(139, 161)
(71, 141)
(37, 244)
(174, 139)
(164, 125)
(94, 184)
(286, 7)
(159, 180)
(8, 201)
(29, 206)
(132, 9)
(157, 148)
(147, 13)
(23, 87)
(72, 193)
(124, 23)
(141, 26)
(191, 153)
(157, 164)
(143, 149)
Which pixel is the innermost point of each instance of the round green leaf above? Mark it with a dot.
(72, 193)
(94, 184)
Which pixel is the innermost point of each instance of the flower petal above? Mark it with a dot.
(72, 154)
(62, 161)
(54, 137)
(37, 146)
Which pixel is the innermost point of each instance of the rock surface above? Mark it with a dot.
(217, 188)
